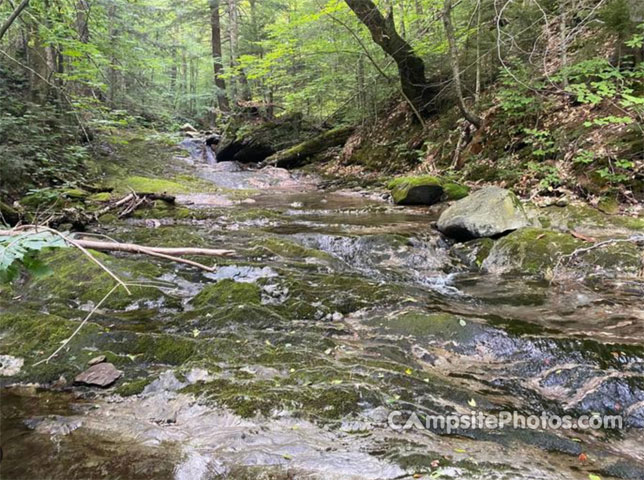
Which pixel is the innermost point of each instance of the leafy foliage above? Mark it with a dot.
(20, 250)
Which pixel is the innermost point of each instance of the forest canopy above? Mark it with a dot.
(97, 65)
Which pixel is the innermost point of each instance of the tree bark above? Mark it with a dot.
(215, 30)
(15, 14)
(233, 38)
(453, 60)
(410, 66)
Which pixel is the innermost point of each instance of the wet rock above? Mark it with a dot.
(229, 167)
(53, 425)
(100, 375)
(97, 360)
(530, 251)
(537, 251)
(10, 365)
(167, 382)
(488, 212)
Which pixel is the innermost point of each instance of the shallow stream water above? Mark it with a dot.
(353, 309)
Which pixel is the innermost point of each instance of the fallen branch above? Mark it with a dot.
(133, 201)
(167, 253)
(134, 248)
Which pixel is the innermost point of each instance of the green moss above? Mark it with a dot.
(226, 292)
(101, 197)
(161, 209)
(76, 277)
(530, 250)
(414, 181)
(455, 191)
(33, 336)
(153, 185)
(168, 349)
(75, 193)
(133, 387)
(402, 187)
(609, 205)
(484, 247)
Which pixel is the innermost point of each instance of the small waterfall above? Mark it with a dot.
(209, 155)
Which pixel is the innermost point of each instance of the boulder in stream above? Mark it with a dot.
(99, 375)
(425, 190)
(536, 251)
(488, 212)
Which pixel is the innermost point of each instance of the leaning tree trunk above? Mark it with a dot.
(215, 30)
(453, 61)
(410, 66)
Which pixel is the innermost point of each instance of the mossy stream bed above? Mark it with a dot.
(337, 310)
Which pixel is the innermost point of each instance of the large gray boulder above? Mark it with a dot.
(488, 212)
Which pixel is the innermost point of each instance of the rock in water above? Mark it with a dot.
(489, 212)
(97, 360)
(99, 375)
(421, 190)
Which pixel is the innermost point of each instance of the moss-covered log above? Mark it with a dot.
(254, 144)
(298, 155)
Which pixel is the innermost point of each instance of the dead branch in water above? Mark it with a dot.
(173, 254)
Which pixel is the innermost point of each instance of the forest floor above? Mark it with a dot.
(337, 309)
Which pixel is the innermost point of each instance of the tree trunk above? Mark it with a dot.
(453, 60)
(233, 38)
(15, 14)
(215, 30)
(410, 67)
(82, 20)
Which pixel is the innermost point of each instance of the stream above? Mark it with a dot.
(287, 362)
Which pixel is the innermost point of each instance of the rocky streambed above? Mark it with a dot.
(338, 309)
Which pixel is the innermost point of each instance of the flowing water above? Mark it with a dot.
(337, 310)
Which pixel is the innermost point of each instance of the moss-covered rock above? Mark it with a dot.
(33, 336)
(420, 190)
(153, 185)
(455, 191)
(227, 292)
(587, 220)
(488, 212)
(167, 349)
(425, 190)
(75, 193)
(539, 252)
(530, 251)
(75, 278)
